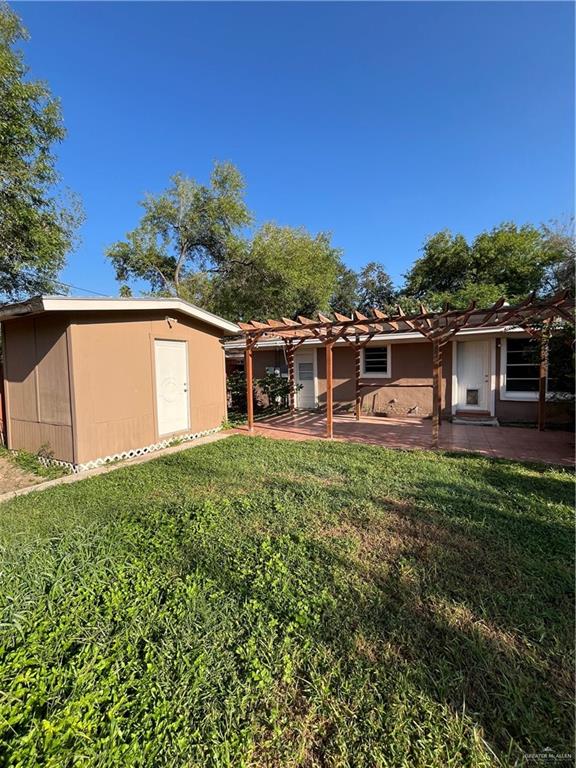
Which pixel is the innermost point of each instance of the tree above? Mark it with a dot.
(284, 271)
(189, 229)
(345, 298)
(191, 242)
(508, 260)
(560, 244)
(37, 224)
(375, 288)
(444, 267)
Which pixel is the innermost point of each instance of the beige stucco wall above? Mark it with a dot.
(37, 387)
(407, 392)
(114, 396)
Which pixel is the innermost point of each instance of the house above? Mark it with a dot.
(92, 380)
(488, 375)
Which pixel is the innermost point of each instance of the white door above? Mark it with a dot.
(305, 374)
(171, 359)
(473, 364)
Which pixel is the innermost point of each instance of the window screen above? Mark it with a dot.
(376, 360)
(306, 371)
(522, 365)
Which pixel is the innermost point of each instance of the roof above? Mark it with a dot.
(40, 304)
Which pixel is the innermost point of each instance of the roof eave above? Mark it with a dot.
(40, 304)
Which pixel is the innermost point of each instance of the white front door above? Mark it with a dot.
(305, 374)
(473, 370)
(171, 359)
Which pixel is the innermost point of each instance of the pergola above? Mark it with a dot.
(533, 315)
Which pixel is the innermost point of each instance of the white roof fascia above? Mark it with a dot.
(387, 337)
(71, 304)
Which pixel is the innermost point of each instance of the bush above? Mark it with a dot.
(270, 393)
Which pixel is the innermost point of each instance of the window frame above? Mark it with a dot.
(379, 374)
(504, 394)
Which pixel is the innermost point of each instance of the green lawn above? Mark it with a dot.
(266, 603)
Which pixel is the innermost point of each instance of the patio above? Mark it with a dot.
(523, 444)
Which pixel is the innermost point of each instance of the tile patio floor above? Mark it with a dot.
(553, 447)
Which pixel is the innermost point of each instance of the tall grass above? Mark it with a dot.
(261, 603)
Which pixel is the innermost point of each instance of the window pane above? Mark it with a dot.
(522, 371)
(522, 351)
(375, 359)
(306, 371)
(521, 385)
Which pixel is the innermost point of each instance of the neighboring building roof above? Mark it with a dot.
(40, 304)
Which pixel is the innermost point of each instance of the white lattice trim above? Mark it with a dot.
(47, 462)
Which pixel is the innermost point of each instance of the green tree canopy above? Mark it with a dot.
(190, 228)
(37, 224)
(192, 242)
(508, 260)
(346, 296)
(285, 271)
(375, 288)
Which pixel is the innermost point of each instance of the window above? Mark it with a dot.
(376, 361)
(306, 371)
(522, 367)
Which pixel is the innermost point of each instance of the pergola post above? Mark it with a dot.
(357, 370)
(291, 384)
(248, 355)
(543, 379)
(436, 391)
(329, 390)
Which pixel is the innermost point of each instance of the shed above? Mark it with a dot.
(88, 381)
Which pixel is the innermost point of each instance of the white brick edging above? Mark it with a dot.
(132, 454)
(145, 455)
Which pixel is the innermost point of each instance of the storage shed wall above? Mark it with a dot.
(114, 396)
(37, 386)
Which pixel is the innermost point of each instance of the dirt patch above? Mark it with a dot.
(12, 477)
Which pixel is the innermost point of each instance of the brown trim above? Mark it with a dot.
(36, 380)
(248, 367)
(543, 377)
(6, 388)
(357, 381)
(436, 391)
(329, 390)
(72, 393)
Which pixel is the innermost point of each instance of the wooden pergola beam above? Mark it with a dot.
(436, 391)
(248, 359)
(543, 376)
(450, 320)
(329, 389)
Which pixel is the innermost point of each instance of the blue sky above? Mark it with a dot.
(379, 122)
